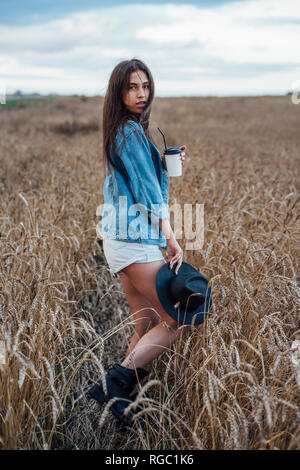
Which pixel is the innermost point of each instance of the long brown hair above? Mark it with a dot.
(115, 113)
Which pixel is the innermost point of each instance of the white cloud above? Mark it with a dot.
(244, 47)
(224, 32)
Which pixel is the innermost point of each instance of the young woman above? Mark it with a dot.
(136, 180)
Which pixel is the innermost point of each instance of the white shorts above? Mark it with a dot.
(120, 254)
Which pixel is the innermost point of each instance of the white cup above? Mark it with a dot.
(173, 161)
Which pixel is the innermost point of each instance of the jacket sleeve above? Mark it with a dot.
(136, 156)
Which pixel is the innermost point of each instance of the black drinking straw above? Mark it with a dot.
(163, 137)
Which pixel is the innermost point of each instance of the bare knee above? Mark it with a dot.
(143, 277)
(176, 326)
(170, 323)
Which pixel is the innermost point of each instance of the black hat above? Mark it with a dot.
(185, 296)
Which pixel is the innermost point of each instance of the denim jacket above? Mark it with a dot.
(133, 205)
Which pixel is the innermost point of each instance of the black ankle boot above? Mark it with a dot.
(119, 383)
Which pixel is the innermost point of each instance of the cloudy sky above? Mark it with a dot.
(213, 47)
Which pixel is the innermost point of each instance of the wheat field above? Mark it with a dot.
(233, 382)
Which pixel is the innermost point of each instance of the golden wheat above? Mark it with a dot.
(233, 382)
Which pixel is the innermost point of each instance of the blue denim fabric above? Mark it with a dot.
(132, 208)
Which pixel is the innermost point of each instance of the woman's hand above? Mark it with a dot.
(175, 254)
(182, 154)
(181, 157)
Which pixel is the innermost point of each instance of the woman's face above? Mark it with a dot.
(138, 94)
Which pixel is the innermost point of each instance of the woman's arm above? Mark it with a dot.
(164, 225)
(173, 250)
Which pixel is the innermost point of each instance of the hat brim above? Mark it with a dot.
(183, 316)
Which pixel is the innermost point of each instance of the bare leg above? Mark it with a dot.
(152, 344)
(144, 315)
(160, 337)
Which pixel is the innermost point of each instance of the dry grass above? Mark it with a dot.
(232, 383)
